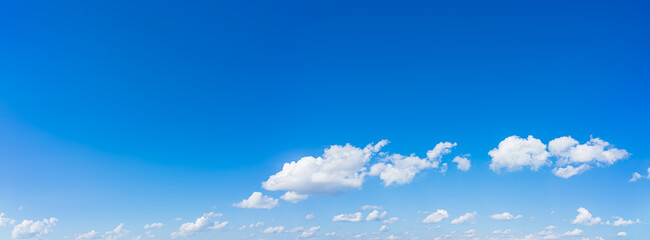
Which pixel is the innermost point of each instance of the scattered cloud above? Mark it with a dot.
(437, 216)
(391, 220)
(88, 236)
(383, 228)
(464, 218)
(257, 200)
(5, 222)
(622, 222)
(276, 229)
(505, 216)
(153, 225)
(310, 216)
(352, 217)
(202, 224)
(296, 229)
(400, 169)
(29, 229)
(515, 153)
(585, 217)
(371, 207)
(309, 232)
(635, 176)
(621, 234)
(375, 215)
(463, 163)
(116, 233)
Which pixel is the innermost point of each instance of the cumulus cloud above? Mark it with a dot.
(569, 171)
(153, 225)
(293, 197)
(202, 224)
(622, 222)
(621, 234)
(257, 200)
(375, 215)
(276, 229)
(574, 232)
(29, 229)
(400, 169)
(437, 216)
(116, 233)
(585, 217)
(340, 168)
(463, 163)
(635, 176)
(505, 216)
(352, 217)
(462, 219)
(515, 153)
(572, 158)
(5, 222)
(309, 232)
(88, 236)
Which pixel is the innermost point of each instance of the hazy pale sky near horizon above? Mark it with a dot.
(127, 120)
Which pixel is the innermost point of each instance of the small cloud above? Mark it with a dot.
(462, 219)
(505, 216)
(257, 200)
(352, 217)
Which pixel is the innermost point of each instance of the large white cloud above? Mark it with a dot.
(437, 216)
(585, 217)
(352, 217)
(340, 168)
(202, 224)
(257, 200)
(515, 153)
(462, 219)
(400, 169)
(572, 158)
(29, 229)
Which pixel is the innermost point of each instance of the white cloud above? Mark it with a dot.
(572, 158)
(635, 176)
(293, 197)
(574, 232)
(153, 225)
(499, 231)
(88, 236)
(296, 229)
(309, 232)
(515, 153)
(257, 200)
(401, 169)
(463, 163)
(310, 216)
(622, 222)
(391, 220)
(375, 215)
(352, 217)
(569, 171)
(340, 168)
(330, 234)
(383, 228)
(462, 219)
(5, 222)
(584, 217)
(29, 229)
(116, 233)
(202, 224)
(437, 216)
(277, 229)
(621, 234)
(505, 216)
(370, 207)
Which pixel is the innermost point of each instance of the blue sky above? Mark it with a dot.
(117, 115)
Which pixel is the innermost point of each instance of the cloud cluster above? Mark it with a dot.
(257, 200)
(202, 224)
(572, 158)
(437, 216)
(29, 229)
(584, 217)
(636, 176)
(400, 169)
